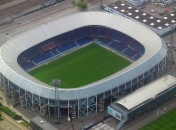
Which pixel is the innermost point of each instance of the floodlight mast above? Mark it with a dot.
(56, 83)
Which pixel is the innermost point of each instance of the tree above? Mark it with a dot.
(82, 5)
(73, 2)
(79, 4)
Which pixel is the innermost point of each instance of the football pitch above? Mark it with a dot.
(165, 122)
(82, 67)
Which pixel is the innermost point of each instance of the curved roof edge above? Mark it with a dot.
(155, 51)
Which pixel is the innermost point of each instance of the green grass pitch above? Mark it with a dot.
(82, 67)
(165, 122)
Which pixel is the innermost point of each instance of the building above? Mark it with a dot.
(160, 26)
(17, 84)
(144, 99)
(37, 123)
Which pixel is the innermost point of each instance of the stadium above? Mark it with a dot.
(45, 44)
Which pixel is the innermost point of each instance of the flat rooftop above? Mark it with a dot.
(143, 17)
(147, 92)
(44, 125)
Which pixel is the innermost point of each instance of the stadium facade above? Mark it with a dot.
(32, 93)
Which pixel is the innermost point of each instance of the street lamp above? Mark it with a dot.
(56, 83)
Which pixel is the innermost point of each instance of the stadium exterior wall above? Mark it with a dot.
(32, 93)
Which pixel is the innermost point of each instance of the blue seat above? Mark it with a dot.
(127, 40)
(28, 54)
(129, 52)
(105, 40)
(117, 46)
(55, 52)
(141, 49)
(66, 47)
(43, 57)
(136, 57)
(65, 38)
(78, 33)
(28, 65)
(95, 31)
(113, 34)
(134, 44)
(103, 31)
(83, 41)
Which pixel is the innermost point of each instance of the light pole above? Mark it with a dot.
(56, 83)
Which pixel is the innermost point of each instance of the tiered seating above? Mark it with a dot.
(115, 35)
(78, 33)
(84, 41)
(95, 31)
(65, 38)
(136, 57)
(85, 31)
(21, 60)
(66, 47)
(129, 52)
(49, 46)
(126, 40)
(105, 40)
(140, 49)
(29, 54)
(78, 37)
(134, 44)
(117, 46)
(82, 32)
(42, 57)
(28, 65)
(55, 52)
(103, 31)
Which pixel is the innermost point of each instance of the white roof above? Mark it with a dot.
(155, 52)
(147, 92)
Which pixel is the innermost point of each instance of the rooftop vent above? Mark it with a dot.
(137, 17)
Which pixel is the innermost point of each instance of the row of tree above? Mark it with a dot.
(81, 4)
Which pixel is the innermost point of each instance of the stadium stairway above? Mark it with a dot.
(120, 124)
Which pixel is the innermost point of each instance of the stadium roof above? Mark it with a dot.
(155, 52)
(147, 92)
(143, 17)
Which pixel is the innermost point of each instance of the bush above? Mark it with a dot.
(10, 113)
(73, 2)
(82, 5)
(25, 124)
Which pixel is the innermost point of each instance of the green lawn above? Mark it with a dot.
(165, 122)
(84, 66)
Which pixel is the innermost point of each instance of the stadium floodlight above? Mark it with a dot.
(56, 83)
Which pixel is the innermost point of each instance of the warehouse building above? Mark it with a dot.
(144, 99)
